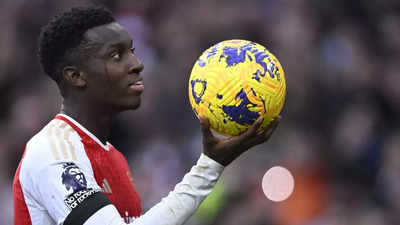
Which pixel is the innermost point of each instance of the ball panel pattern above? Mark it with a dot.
(233, 83)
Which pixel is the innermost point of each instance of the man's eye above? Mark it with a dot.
(116, 55)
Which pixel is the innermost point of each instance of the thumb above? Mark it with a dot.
(205, 128)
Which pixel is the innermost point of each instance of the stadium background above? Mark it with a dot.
(340, 134)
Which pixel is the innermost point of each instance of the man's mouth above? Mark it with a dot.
(138, 85)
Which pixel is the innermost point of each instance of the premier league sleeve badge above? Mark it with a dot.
(75, 183)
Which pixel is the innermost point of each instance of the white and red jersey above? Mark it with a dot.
(68, 177)
(65, 164)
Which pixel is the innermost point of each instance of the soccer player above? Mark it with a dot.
(70, 173)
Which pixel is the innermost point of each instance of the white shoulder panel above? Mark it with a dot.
(55, 165)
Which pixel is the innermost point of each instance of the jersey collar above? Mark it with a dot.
(83, 129)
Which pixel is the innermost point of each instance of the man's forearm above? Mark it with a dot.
(180, 203)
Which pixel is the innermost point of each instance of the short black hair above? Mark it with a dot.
(61, 41)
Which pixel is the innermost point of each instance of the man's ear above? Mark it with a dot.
(74, 77)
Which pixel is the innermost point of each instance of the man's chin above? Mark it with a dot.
(134, 105)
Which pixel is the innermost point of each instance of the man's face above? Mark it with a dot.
(113, 71)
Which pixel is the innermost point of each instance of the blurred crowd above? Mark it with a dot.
(340, 133)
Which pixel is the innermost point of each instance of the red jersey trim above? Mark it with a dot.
(21, 212)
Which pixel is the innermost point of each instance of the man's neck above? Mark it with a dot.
(98, 123)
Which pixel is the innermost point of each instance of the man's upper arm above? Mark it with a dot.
(66, 193)
(63, 186)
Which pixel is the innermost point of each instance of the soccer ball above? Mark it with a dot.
(233, 83)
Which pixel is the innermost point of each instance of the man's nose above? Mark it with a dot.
(137, 66)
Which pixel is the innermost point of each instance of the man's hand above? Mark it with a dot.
(224, 151)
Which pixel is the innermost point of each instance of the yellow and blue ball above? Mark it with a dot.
(233, 83)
